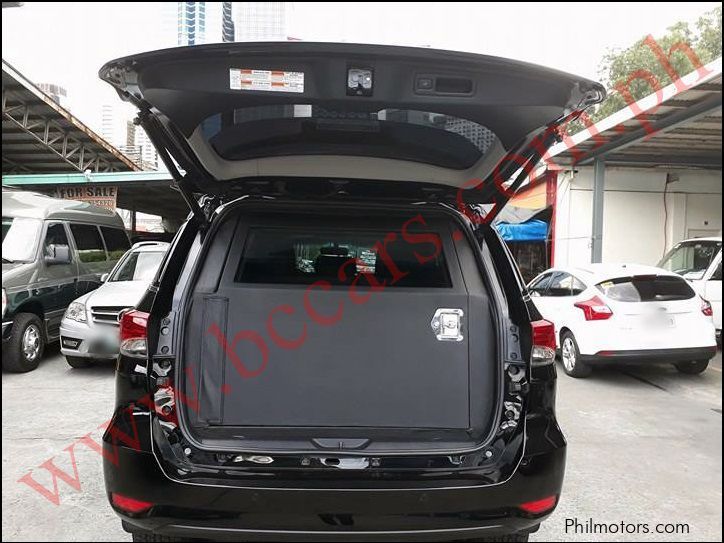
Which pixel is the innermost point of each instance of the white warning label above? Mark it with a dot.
(266, 80)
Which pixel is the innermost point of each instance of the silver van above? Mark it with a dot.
(53, 252)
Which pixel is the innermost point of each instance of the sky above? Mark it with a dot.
(67, 42)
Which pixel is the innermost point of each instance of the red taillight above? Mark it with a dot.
(595, 309)
(539, 506)
(706, 308)
(544, 343)
(133, 333)
(129, 505)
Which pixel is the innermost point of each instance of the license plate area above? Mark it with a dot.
(659, 321)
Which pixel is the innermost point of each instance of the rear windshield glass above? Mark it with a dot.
(281, 256)
(646, 288)
(304, 129)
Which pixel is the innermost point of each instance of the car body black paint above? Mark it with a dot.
(470, 491)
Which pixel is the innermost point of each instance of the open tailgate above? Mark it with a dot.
(420, 117)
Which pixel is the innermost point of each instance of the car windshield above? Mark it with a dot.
(691, 259)
(20, 238)
(138, 266)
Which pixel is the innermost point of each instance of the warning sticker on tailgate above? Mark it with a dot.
(266, 80)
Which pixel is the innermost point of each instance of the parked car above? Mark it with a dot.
(335, 348)
(607, 313)
(89, 329)
(53, 251)
(699, 262)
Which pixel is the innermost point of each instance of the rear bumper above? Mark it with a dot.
(333, 509)
(650, 356)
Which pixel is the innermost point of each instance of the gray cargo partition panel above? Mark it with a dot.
(381, 365)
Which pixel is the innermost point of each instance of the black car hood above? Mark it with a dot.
(229, 113)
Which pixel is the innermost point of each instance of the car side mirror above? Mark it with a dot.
(59, 254)
(104, 277)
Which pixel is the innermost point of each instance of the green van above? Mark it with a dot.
(53, 251)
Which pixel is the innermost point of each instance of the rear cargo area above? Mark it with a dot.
(361, 331)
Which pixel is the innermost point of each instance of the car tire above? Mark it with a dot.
(571, 357)
(78, 362)
(692, 367)
(146, 536)
(26, 344)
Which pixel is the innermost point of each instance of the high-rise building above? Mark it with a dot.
(139, 148)
(146, 150)
(56, 92)
(204, 22)
(112, 126)
(260, 21)
(227, 22)
(191, 23)
(119, 130)
(214, 22)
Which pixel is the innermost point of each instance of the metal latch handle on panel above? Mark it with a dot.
(448, 324)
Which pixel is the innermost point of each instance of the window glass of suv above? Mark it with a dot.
(692, 258)
(138, 266)
(88, 242)
(282, 256)
(116, 242)
(646, 288)
(20, 238)
(55, 236)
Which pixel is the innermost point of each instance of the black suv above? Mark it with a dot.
(338, 346)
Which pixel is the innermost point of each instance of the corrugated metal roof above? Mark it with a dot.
(679, 126)
(40, 136)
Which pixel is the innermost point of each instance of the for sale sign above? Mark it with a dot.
(100, 195)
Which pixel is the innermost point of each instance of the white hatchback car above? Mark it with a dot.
(607, 313)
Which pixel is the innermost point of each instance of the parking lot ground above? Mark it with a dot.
(645, 446)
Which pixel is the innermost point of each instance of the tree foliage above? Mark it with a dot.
(637, 71)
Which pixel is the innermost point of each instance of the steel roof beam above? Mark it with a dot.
(669, 122)
(53, 137)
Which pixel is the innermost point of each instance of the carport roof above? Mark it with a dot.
(40, 136)
(150, 192)
(679, 127)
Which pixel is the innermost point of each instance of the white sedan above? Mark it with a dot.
(607, 313)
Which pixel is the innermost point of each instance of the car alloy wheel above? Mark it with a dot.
(568, 354)
(31, 343)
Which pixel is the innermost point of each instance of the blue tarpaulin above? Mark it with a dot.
(532, 230)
